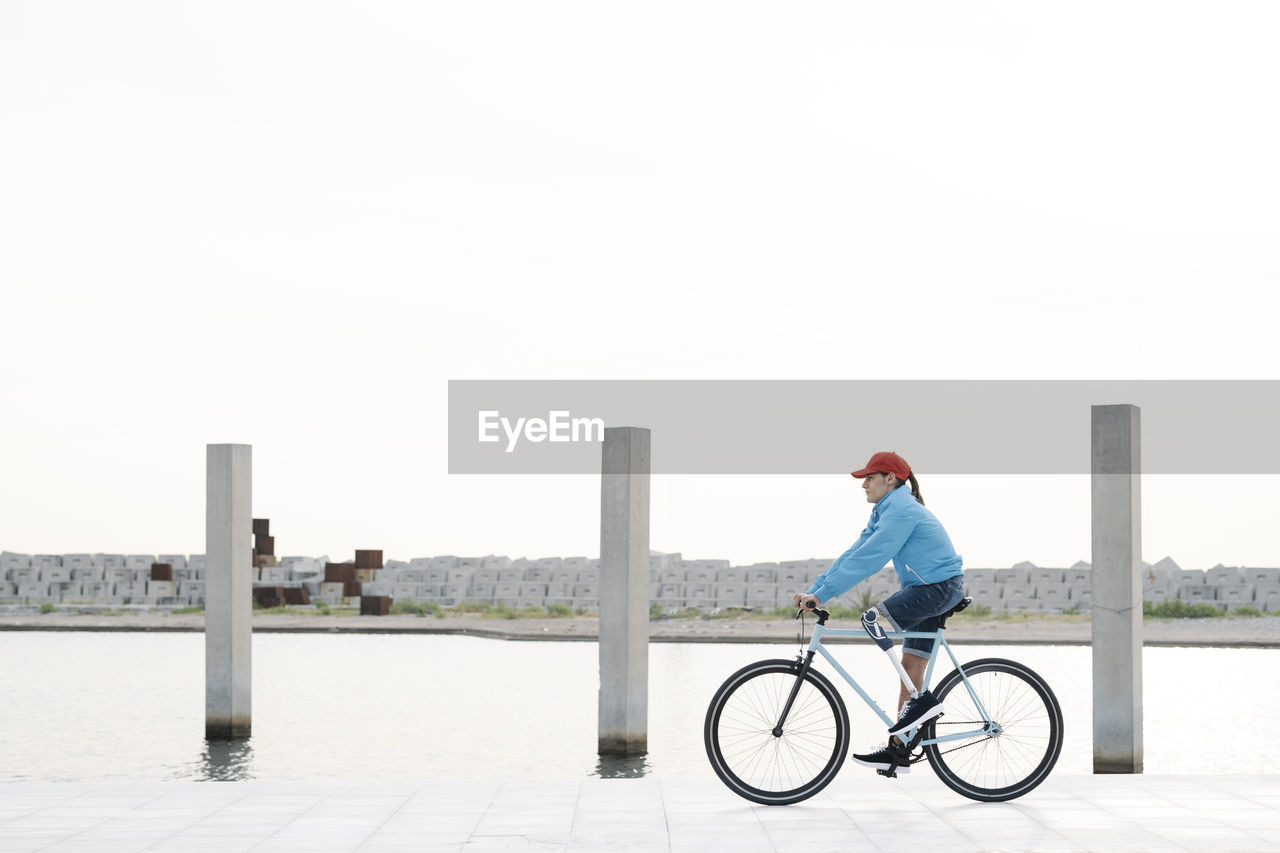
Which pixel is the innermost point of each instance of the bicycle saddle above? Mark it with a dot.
(964, 602)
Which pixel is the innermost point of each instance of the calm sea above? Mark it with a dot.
(116, 706)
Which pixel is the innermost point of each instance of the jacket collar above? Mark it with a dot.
(895, 495)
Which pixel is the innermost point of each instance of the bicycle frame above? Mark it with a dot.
(816, 647)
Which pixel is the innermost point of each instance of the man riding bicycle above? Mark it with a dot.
(932, 579)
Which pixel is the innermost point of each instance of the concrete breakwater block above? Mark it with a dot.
(275, 574)
(303, 568)
(368, 559)
(268, 596)
(11, 560)
(296, 595)
(279, 595)
(161, 589)
(375, 605)
(339, 572)
(33, 590)
(674, 582)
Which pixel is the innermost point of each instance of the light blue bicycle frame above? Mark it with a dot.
(815, 645)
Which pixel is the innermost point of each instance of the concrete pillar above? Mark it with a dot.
(624, 592)
(1117, 590)
(228, 608)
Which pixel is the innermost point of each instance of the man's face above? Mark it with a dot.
(877, 486)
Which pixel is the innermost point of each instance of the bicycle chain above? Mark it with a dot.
(921, 757)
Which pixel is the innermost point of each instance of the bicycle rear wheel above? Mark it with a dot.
(1023, 745)
(776, 770)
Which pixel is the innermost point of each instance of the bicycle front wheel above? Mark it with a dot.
(796, 762)
(1019, 747)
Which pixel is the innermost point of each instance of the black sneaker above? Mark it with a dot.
(880, 759)
(918, 710)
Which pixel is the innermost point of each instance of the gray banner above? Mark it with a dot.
(825, 427)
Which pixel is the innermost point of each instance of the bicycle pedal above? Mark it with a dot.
(888, 774)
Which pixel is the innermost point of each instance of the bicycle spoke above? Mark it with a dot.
(776, 769)
(1022, 748)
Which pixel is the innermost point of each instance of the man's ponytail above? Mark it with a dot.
(915, 487)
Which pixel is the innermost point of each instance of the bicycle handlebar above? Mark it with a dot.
(823, 615)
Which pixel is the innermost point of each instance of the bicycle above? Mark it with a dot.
(777, 731)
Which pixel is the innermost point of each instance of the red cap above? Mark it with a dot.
(886, 462)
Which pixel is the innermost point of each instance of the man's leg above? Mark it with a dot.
(910, 667)
(914, 664)
(915, 667)
(913, 609)
(872, 624)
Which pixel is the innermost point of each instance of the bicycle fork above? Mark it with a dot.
(795, 691)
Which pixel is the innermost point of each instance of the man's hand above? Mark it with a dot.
(804, 599)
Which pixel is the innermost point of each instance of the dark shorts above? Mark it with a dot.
(918, 608)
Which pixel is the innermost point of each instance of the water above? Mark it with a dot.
(123, 706)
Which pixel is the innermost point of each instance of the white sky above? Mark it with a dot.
(289, 224)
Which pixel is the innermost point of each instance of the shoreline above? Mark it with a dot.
(1254, 632)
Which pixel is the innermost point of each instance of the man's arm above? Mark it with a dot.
(872, 550)
(835, 564)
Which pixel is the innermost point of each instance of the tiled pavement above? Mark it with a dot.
(857, 812)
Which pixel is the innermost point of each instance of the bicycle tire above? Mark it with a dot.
(745, 754)
(994, 768)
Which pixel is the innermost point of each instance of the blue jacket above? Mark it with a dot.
(902, 530)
